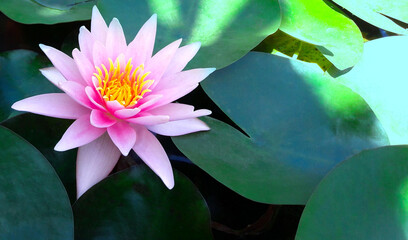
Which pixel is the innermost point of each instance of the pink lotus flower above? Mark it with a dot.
(117, 93)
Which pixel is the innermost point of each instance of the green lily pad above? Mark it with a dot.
(226, 29)
(365, 197)
(135, 204)
(300, 124)
(33, 202)
(381, 79)
(320, 23)
(44, 133)
(380, 13)
(47, 11)
(20, 78)
(281, 43)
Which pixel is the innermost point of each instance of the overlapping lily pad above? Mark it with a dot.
(300, 123)
(323, 24)
(381, 79)
(135, 204)
(365, 197)
(33, 202)
(47, 11)
(226, 29)
(380, 13)
(20, 78)
(44, 133)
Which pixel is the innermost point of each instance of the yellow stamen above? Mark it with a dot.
(127, 86)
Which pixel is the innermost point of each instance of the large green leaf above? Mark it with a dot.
(322, 24)
(382, 80)
(135, 204)
(20, 78)
(364, 198)
(47, 11)
(227, 29)
(44, 133)
(300, 123)
(33, 202)
(380, 13)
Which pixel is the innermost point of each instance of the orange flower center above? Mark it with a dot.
(126, 86)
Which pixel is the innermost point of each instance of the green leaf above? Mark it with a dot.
(47, 11)
(281, 43)
(44, 133)
(33, 202)
(381, 79)
(300, 123)
(135, 204)
(364, 197)
(380, 13)
(324, 25)
(226, 29)
(20, 78)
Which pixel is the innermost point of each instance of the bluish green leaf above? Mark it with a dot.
(20, 78)
(300, 123)
(33, 202)
(364, 198)
(47, 11)
(44, 133)
(135, 204)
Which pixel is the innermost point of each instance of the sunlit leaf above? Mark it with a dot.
(226, 29)
(381, 79)
(282, 43)
(380, 13)
(322, 24)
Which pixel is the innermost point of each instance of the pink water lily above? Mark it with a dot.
(118, 94)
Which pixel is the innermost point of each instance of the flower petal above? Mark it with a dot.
(185, 78)
(149, 101)
(63, 63)
(100, 55)
(86, 42)
(99, 28)
(78, 134)
(77, 92)
(158, 64)
(141, 48)
(170, 95)
(52, 74)
(123, 136)
(100, 119)
(182, 56)
(58, 105)
(115, 39)
(95, 161)
(85, 67)
(149, 149)
(181, 127)
(114, 106)
(94, 97)
(179, 111)
(126, 113)
(149, 120)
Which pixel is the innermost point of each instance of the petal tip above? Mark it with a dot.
(44, 48)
